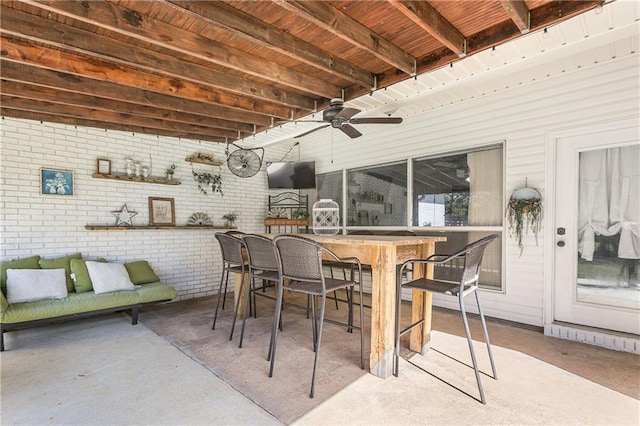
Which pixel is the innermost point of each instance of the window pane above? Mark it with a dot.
(459, 190)
(490, 269)
(330, 187)
(377, 196)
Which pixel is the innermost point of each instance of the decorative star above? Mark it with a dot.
(124, 216)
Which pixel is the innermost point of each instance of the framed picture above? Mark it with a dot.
(56, 182)
(161, 211)
(104, 166)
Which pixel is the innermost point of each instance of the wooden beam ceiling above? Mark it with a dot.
(428, 18)
(221, 70)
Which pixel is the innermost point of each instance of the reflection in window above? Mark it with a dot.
(330, 187)
(377, 196)
(491, 266)
(459, 190)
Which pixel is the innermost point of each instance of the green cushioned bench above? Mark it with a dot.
(146, 289)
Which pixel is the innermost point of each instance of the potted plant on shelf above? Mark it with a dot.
(206, 180)
(524, 213)
(170, 171)
(230, 219)
(299, 214)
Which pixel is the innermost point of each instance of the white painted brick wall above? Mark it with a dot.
(51, 226)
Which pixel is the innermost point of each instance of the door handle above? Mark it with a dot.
(560, 243)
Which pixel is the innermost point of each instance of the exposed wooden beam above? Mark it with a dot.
(20, 51)
(519, 13)
(81, 85)
(554, 12)
(66, 98)
(99, 115)
(427, 18)
(541, 17)
(53, 118)
(330, 19)
(434, 60)
(131, 23)
(259, 33)
(79, 41)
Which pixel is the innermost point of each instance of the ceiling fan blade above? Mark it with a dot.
(311, 131)
(350, 131)
(347, 113)
(376, 120)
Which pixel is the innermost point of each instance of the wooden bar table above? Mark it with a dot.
(383, 253)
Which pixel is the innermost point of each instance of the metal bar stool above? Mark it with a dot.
(300, 260)
(472, 256)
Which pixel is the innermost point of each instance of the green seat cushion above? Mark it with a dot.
(86, 302)
(25, 263)
(73, 304)
(59, 263)
(140, 272)
(155, 292)
(82, 282)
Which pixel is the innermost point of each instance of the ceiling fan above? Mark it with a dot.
(341, 118)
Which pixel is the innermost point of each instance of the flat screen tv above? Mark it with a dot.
(292, 175)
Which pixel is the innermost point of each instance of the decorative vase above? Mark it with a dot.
(145, 172)
(138, 169)
(129, 168)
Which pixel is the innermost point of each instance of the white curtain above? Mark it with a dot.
(485, 206)
(485, 187)
(609, 199)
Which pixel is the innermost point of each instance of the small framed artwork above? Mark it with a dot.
(104, 166)
(161, 212)
(56, 182)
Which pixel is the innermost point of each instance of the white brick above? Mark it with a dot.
(53, 225)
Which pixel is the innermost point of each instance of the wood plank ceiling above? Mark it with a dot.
(221, 70)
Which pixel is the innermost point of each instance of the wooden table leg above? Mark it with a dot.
(383, 289)
(237, 293)
(420, 336)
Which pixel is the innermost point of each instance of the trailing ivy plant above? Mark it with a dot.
(524, 216)
(207, 180)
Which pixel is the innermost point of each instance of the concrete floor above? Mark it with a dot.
(104, 371)
(619, 371)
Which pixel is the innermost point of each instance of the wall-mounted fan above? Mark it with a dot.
(341, 118)
(244, 162)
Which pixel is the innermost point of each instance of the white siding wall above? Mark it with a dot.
(522, 116)
(51, 226)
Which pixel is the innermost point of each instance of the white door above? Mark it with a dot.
(597, 234)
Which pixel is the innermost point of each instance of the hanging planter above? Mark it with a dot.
(208, 180)
(524, 213)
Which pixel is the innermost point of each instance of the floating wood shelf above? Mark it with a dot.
(137, 179)
(276, 221)
(194, 159)
(137, 228)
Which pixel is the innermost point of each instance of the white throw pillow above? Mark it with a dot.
(29, 285)
(108, 277)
